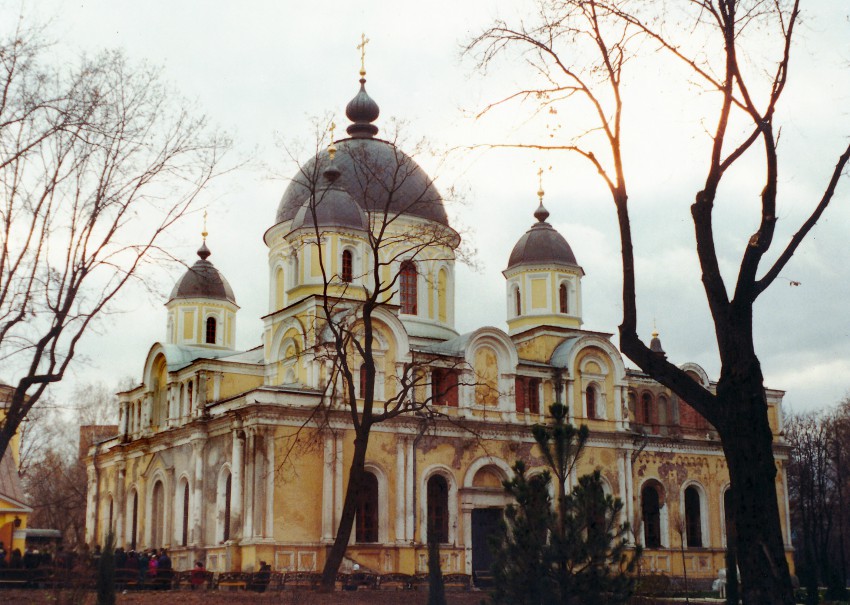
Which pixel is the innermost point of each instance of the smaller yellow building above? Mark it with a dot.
(13, 509)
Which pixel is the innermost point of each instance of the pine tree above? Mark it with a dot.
(574, 552)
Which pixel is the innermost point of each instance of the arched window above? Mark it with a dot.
(184, 530)
(211, 325)
(191, 395)
(517, 302)
(407, 287)
(645, 409)
(562, 298)
(693, 518)
(347, 266)
(591, 397)
(727, 517)
(650, 505)
(157, 515)
(444, 386)
(366, 519)
(438, 509)
(527, 394)
(227, 493)
(362, 381)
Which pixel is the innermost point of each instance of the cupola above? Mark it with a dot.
(202, 307)
(543, 278)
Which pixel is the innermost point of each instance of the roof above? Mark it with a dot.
(370, 171)
(334, 207)
(542, 245)
(10, 482)
(203, 280)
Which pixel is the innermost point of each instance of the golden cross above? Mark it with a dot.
(540, 184)
(332, 147)
(204, 232)
(362, 48)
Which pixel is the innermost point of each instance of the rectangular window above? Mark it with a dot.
(444, 386)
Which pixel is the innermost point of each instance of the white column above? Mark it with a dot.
(118, 507)
(124, 418)
(621, 486)
(338, 491)
(630, 494)
(409, 513)
(197, 536)
(91, 505)
(269, 529)
(250, 474)
(328, 489)
(236, 487)
(569, 400)
(400, 492)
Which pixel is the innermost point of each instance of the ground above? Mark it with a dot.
(215, 597)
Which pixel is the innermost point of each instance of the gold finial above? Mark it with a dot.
(204, 233)
(332, 147)
(540, 191)
(362, 48)
(654, 329)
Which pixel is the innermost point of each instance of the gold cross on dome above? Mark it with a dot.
(362, 48)
(332, 147)
(204, 232)
(540, 191)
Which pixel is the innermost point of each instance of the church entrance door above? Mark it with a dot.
(485, 523)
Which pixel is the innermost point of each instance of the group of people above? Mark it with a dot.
(149, 563)
(29, 559)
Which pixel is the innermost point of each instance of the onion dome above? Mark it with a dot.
(203, 280)
(362, 111)
(541, 245)
(334, 208)
(390, 170)
(655, 344)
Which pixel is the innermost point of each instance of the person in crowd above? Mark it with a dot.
(164, 560)
(17, 559)
(198, 575)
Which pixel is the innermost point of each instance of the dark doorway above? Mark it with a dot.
(485, 523)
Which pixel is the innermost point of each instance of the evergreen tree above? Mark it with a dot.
(106, 573)
(575, 553)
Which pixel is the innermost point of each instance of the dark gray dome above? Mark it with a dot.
(542, 245)
(203, 280)
(370, 170)
(334, 208)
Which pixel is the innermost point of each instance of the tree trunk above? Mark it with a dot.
(748, 446)
(346, 521)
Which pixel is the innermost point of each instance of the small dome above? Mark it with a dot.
(388, 169)
(541, 245)
(203, 280)
(655, 344)
(334, 208)
(362, 111)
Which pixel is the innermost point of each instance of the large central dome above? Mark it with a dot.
(376, 174)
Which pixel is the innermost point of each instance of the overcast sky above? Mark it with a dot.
(261, 70)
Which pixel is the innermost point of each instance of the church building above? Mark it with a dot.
(232, 457)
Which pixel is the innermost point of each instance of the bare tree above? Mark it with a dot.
(52, 469)
(579, 50)
(97, 162)
(376, 194)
